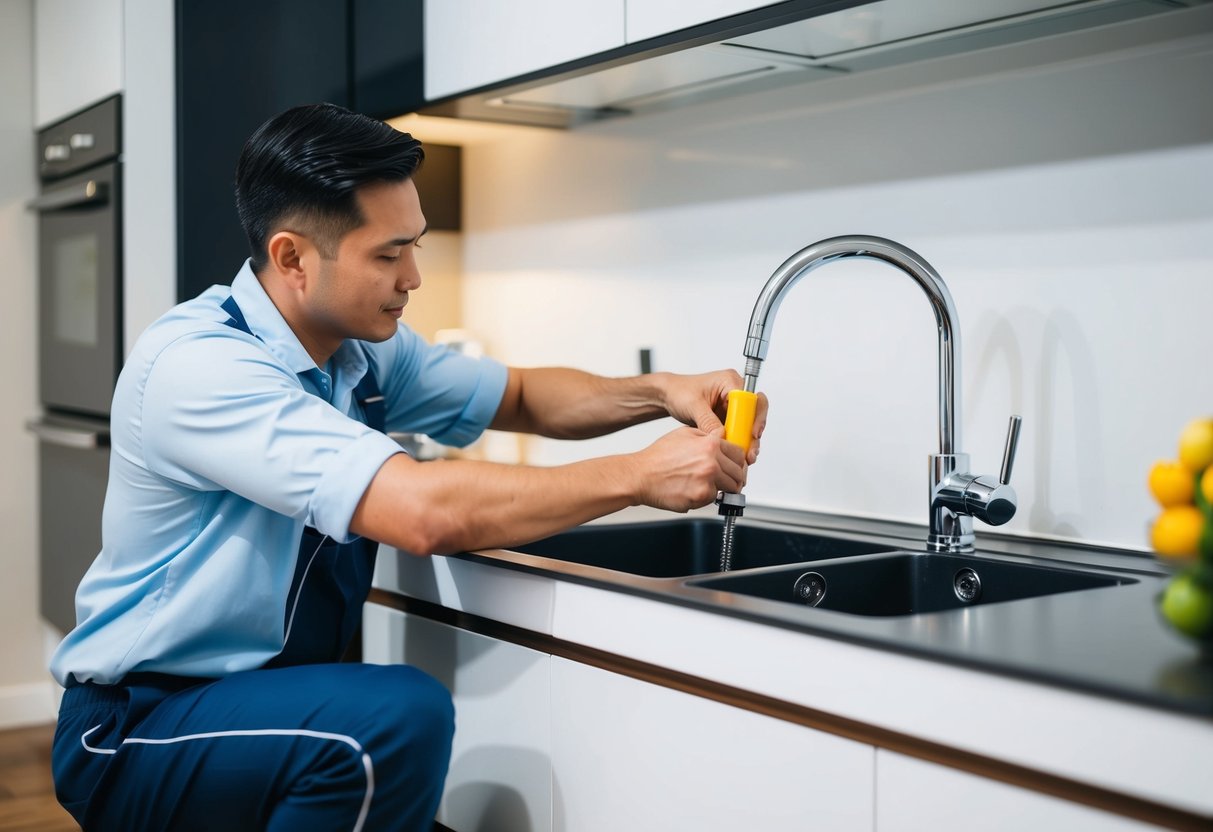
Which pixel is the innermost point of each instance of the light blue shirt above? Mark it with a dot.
(224, 446)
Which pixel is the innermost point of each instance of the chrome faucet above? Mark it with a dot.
(956, 496)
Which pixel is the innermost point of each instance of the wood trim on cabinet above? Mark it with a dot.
(1016, 775)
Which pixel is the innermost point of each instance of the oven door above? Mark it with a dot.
(73, 469)
(79, 294)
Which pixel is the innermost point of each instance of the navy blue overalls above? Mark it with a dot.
(305, 743)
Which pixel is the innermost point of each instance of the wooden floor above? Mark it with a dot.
(27, 797)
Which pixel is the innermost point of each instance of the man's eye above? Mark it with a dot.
(391, 258)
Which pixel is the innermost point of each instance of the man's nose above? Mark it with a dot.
(409, 276)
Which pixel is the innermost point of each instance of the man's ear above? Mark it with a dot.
(286, 252)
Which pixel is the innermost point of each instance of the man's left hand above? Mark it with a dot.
(702, 401)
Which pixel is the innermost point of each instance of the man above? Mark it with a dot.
(251, 477)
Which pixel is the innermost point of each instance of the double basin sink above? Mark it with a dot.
(835, 572)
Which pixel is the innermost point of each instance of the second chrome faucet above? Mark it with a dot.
(956, 496)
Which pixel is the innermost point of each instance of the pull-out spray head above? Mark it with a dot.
(738, 429)
(752, 367)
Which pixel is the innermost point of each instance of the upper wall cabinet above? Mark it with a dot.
(386, 60)
(77, 55)
(553, 63)
(650, 18)
(470, 43)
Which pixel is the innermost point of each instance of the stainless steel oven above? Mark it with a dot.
(79, 285)
(79, 341)
(73, 469)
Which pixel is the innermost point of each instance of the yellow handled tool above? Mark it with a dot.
(738, 429)
(739, 421)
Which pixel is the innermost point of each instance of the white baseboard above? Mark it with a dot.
(36, 703)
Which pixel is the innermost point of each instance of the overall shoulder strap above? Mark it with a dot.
(369, 397)
(367, 393)
(236, 319)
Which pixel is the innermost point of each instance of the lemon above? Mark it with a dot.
(1177, 531)
(1171, 483)
(1187, 603)
(1196, 445)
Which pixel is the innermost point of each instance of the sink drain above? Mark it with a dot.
(809, 588)
(967, 585)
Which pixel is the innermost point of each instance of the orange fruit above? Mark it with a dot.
(1206, 486)
(1196, 445)
(1171, 483)
(1176, 532)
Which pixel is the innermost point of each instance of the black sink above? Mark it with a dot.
(677, 548)
(905, 583)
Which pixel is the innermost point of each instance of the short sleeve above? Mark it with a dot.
(432, 389)
(219, 412)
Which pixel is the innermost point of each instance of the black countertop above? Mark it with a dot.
(1109, 641)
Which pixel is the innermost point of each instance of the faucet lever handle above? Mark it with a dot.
(1008, 452)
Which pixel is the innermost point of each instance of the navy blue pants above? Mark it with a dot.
(309, 747)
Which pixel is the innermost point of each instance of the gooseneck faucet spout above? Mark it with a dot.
(955, 496)
(871, 248)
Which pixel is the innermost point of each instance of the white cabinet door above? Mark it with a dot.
(635, 756)
(77, 55)
(650, 18)
(501, 769)
(471, 43)
(912, 795)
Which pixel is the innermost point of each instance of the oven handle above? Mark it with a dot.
(84, 440)
(91, 192)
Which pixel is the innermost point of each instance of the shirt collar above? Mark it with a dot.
(267, 323)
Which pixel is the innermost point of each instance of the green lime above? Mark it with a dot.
(1202, 491)
(1187, 603)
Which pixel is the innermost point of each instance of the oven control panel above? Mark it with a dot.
(80, 141)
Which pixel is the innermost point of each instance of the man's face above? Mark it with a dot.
(362, 293)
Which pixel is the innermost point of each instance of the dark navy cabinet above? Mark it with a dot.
(238, 63)
(388, 59)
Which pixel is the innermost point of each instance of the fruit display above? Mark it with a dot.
(1182, 533)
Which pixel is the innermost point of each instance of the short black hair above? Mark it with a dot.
(304, 167)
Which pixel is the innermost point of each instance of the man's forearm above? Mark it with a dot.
(457, 505)
(452, 506)
(570, 404)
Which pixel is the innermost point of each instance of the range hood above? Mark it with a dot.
(865, 37)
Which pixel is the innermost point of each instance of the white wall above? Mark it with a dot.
(1067, 202)
(79, 42)
(149, 214)
(25, 692)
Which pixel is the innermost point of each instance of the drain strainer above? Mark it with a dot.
(967, 585)
(809, 588)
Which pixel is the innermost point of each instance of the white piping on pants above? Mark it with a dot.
(261, 732)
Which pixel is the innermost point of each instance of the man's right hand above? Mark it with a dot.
(462, 505)
(686, 468)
